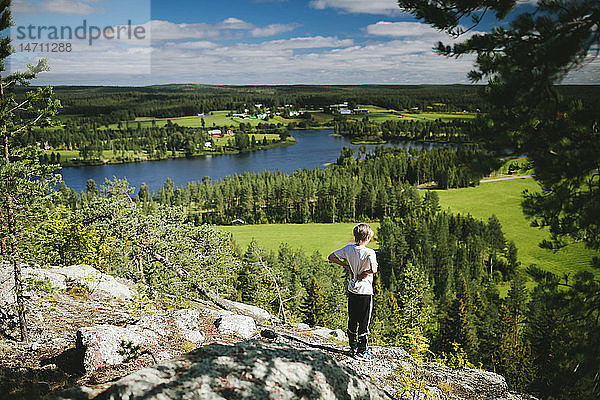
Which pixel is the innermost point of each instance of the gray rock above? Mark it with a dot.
(256, 313)
(247, 370)
(100, 345)
(468, 383)
(328, 333)
(339, 334)
(58, 278)
(239, 325)
(180, 322)
(302, 326)
(96, 280)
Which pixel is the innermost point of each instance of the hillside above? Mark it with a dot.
(90, 330)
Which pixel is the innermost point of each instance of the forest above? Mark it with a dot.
(454, 131)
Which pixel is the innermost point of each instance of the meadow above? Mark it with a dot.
(323, 238)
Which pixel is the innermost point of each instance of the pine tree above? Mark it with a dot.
(314, 308)
(247, 281)
(380, 311)
(457, 325)
(24, 183)
(414, 304)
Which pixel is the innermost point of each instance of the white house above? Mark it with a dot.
(215, 132)
(346, 112)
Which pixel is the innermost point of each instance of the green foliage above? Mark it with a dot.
(40, 286)
(132, 352)
(66, 240)
(456, 357)
(160, 248)
(563, 330)
(313, 308)
(141, 303)
(78, 289)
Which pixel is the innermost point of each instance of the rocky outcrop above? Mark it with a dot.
(256, 313)
(63, 278)
(105, 345)
(238, 325)
(182, 323)
(246, 370)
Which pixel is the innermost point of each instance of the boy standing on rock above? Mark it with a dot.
(362, 264)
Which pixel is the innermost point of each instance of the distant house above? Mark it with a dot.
(239, 115)
(238, 222)
(361, 111)
(215, 132)
(208, 145)
(342, 105)
(296, 113)
(345, 112)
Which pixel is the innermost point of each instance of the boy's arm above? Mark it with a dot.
(334, 259)
(372, 270)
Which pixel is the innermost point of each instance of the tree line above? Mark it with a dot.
(365, 129)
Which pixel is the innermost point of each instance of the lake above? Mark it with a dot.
(314, 149)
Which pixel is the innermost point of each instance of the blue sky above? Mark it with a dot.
(243, 42)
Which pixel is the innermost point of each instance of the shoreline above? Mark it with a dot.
(91, 163)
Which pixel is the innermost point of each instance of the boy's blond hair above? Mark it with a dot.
(362, 232)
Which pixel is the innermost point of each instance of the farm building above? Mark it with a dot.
(215, 132)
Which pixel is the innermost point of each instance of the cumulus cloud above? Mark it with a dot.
(231, 28)
(412, 30)
(23, 7)
(71, 7)
(359, 6)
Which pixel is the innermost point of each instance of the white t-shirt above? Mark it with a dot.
(361, 259)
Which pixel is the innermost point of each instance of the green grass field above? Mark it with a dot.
(503, 198)
(323, 238)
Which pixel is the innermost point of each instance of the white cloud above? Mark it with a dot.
(387, 7)
(413, 31)
(401, 29)
(23, 7)
(70, 7)
(272, 30)
(231, 28)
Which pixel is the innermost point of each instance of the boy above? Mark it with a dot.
(362, 264)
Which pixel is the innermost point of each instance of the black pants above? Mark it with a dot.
(360, 307)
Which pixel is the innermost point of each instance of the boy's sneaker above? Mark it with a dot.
(365, 356)
(353, 352)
